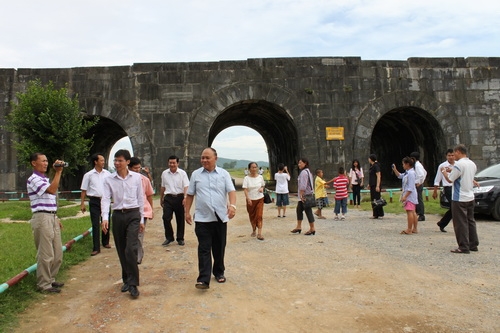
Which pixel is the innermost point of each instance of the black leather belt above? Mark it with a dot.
(128, 210)
(46, 211)
(175, 195)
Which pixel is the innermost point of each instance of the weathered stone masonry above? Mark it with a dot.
(390, 108)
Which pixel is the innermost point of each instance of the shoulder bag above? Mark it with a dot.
(309, 199)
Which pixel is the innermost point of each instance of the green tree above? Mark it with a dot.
(47, 120)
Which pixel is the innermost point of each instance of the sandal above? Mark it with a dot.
(459, 251)
(221, 279)
(405, 233)
(259, 237)
(253, 234)
(201, 285)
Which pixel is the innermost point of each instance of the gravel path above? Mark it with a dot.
(357, 275)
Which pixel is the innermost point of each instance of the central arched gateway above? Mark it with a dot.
(270, 110)
(270, 121)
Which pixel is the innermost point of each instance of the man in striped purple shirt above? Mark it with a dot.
(45, 224)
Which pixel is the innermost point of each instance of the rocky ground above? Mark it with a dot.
(357, 275)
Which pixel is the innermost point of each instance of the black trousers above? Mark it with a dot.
(211, 242)
(447, 216)
(126, 236)
(173, 205)
(95, 218)
(356, 194)
(300, 210)
(378, 211)
(420, 209)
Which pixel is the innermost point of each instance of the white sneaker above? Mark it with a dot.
(342, 217)
(336, 218)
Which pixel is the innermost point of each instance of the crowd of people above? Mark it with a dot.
(126, 198)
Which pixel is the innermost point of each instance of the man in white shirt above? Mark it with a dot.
(450, 161)
(92, 188)
(174, 185)
(462, 204)
(420, 174)
(282, 178)
(125, 187)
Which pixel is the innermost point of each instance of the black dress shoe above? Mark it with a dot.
(134, 292)
(165, 243)
(57, 284)
(125, 287)
(421, 218)
(441, 227)
(181, 243)
(474, 249)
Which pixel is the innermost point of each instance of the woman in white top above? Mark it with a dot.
(356, 181)
(253, 186)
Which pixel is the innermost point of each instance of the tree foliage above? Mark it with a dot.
(47, 120)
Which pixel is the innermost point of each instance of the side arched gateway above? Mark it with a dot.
(406, 122)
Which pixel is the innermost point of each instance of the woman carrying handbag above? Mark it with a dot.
(305, 190)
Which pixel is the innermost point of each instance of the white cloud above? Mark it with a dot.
(104, 33)
(242, 143)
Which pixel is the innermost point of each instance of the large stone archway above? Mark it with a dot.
(427, 104)
(406, 122)
(270, 110)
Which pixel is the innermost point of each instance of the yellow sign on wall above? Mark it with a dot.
(334, 133)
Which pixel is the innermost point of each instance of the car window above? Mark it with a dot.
(490, 172)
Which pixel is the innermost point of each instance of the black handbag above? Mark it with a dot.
(379, 202)
(309, 199)
(267, 198)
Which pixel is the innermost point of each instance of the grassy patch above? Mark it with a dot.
(237, 173)
(431, 207)
(20, 210)
(18, 253)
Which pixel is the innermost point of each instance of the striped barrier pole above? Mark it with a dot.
(32, 268)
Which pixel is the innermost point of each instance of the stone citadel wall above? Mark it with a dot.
(390, 108)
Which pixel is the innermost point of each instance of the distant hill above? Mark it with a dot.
(240, 164)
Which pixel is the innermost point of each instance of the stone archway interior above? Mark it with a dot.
(400, 132)
(106, 133)
(270, 121)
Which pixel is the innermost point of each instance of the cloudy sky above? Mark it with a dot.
(55, 34)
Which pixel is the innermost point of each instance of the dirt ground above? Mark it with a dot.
(357, 275)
